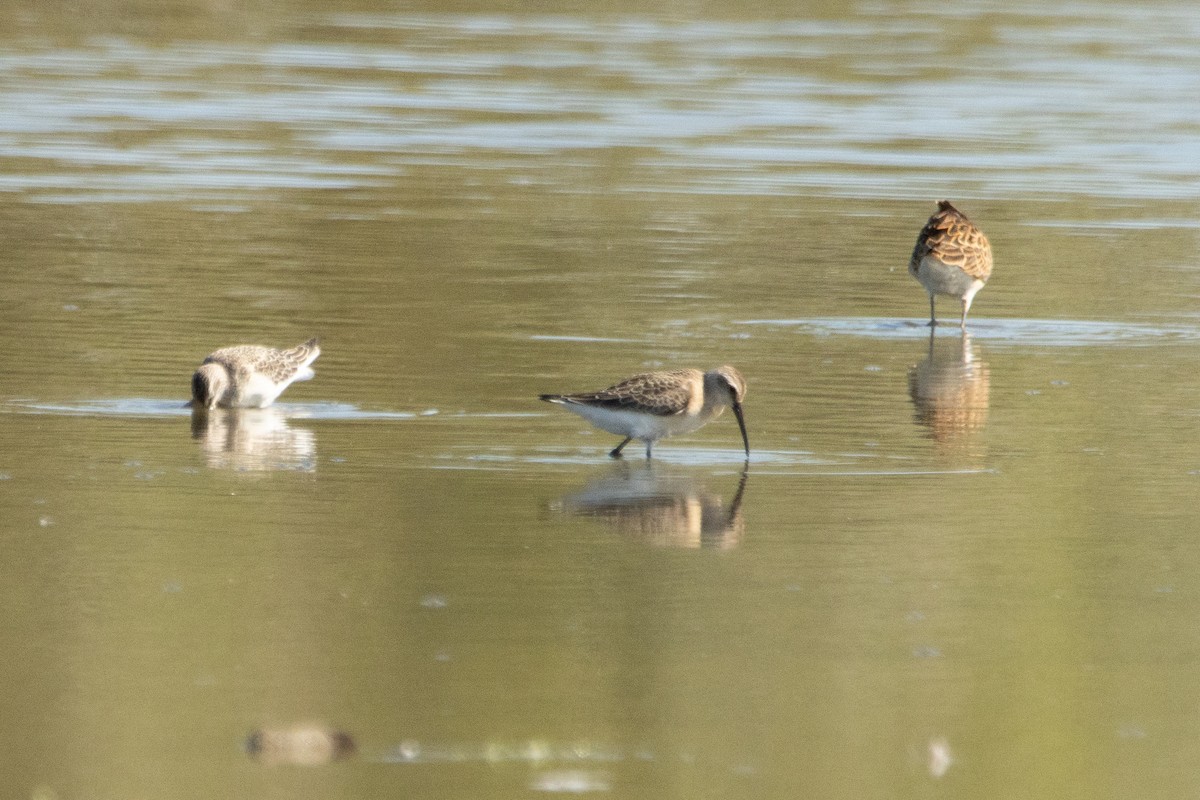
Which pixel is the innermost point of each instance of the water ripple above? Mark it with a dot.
(758, 107)
(1015, 332)
(145, 407)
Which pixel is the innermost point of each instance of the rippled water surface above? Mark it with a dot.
(961, 566)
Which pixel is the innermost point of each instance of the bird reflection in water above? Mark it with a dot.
(663, 509)
(949, 390)
(253, 440)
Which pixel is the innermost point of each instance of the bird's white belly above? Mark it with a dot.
(939, 278)
(638, 424)
(258, 392)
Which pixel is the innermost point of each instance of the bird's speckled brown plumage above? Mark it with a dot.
(952, 257)
(954, 240)
(662, 393)
(278, 365)
(250, 375)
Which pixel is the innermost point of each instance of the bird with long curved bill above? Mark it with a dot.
(655, 405)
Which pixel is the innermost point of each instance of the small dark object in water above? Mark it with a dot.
(306, 744)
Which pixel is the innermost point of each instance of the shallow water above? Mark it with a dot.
(952, 565)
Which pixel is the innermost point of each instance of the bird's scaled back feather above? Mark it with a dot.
(661, 393)
(278, 365)
(953, 239)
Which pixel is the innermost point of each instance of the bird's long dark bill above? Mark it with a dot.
(737, 412)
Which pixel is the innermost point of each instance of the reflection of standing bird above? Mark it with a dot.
(661, 509)
(253, 440)
(952, 257)
(949, 391)
(655, 405)
(251, 376)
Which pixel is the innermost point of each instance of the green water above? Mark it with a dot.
(953, 568)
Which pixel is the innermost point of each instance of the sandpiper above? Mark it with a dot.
(655, 405)
(952, 257)
(250, 375)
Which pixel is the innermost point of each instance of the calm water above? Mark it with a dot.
(954, 567)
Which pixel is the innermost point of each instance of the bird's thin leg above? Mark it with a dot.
(649, 444)
(616, 451)
(963, 322)
(932, 314)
